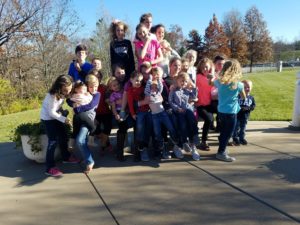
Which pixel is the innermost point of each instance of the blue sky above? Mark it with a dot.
(282, 17)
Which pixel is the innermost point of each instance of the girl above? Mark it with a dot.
(146, 49)
(167, 51)
(115, 98)
(179, 100)
(203, 104)
(92, 83)
(141, 114)
(55, 123)
(229, 88)
(120, 48)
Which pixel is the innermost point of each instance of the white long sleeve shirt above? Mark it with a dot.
(50, 108)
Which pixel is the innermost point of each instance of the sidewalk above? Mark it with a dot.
(261, 187)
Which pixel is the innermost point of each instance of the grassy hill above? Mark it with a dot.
(274, 94)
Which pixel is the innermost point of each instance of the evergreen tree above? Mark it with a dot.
(195, 42)
(215, 39)
(259, 40)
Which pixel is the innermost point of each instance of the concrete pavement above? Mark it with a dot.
(261, 187)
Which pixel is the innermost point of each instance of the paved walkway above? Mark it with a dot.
(261, 187)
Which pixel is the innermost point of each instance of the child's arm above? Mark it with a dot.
(147, 90)
(131, 57)
(93, 104)
(114, 111)
(159, 57)
(143, 51)
(252, 107)
(173, 103)
(130, 103)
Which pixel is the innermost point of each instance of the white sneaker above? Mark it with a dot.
(195, 153)
(186, 147)
(177, 151)
(225, 157)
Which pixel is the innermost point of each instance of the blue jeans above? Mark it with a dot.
(187, 124)
(240, 128)
(143, 128)
(227, 125)
(57, 134)
(159, 119)
(82, 142)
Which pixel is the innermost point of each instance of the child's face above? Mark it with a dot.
(184, 66)
(65, 90)
(146, 72)
(115, 86)
(119, 74)
(142, 33)
(175, 67)
(148, 23)
(182, 83)
(246, 87)
(154, 88)
(81, 56)
(136, 81)
(157, 75)
(191, 58)
(160, 33)
(219, 65)
(81, 90)
(206, 69)
(120, 33)
(97, 64)
(93, 87)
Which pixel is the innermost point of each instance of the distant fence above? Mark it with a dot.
(268, 67)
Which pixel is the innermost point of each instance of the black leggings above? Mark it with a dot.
(205, 112)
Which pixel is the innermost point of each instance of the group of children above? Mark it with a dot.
(161, 99)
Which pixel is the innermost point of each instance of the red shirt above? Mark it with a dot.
(134, 95)
(103, 107)
(204, 90)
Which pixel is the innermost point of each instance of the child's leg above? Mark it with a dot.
(157, 130)
(121, 135)
(191, 124)
(243, 123)
(228, 122)
(87, 121)
(165, 120)
(82, 140)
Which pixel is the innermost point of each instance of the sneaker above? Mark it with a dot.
(186, 147)
(225, 157)
(54, 172)
(177, 152)
(166, 154)
(89, 168)
(195, 153)
(243, 142)
(144, 155)
(236, 142)
(72, 159)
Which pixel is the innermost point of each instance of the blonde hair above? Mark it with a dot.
(158, 70)
(110, 82)
(231, 73)
(91, 79)
(249, 82)
(193, 53)
(183, 75)
(202, 64)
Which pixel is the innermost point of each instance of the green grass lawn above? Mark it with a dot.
(274, 94)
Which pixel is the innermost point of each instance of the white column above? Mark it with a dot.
(296, 116)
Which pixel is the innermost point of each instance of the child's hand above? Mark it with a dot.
(180, 110)
(134, 117)
(172, 87)
(68, 122)
(77, 66)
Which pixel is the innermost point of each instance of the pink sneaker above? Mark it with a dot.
(72, 159)
(54, 172)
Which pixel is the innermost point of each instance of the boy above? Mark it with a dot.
(79, 68)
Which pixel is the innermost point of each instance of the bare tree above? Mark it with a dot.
(175, 37)
(234, 30)
(14, 17)
(259, 40)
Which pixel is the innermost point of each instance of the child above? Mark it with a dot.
(120, 48)
(79, 68)
(92, 83)
(247, 105)
(229, 88)
(79, 97)
(146, 49)
(179, 99)
(185, 63)
(204, 109)
(55, 123)
(168, 53)
(115, 98)
(153, 90)
(140, 113)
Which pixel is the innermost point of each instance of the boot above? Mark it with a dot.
(120, 146)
